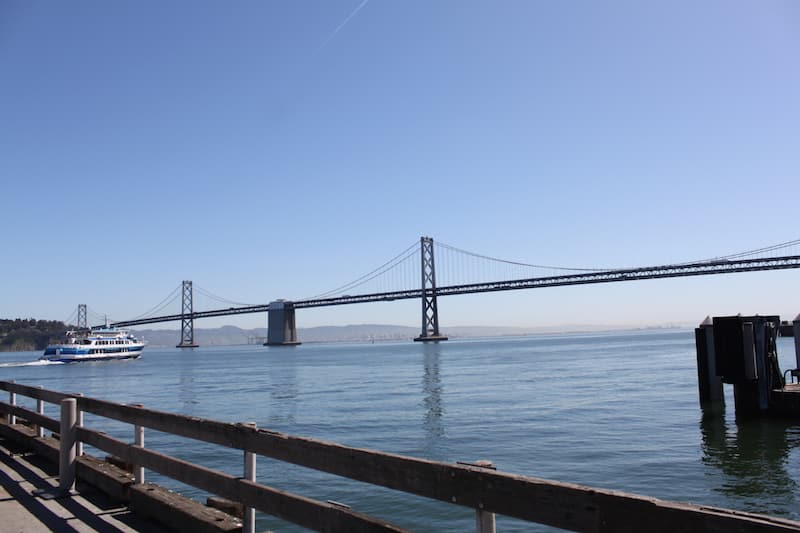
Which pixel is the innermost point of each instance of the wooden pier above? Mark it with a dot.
(486, 491)
(742, 351)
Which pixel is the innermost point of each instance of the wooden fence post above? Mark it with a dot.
(40, 410)
(12, 399)
(79, 423)
(138, 440)
(66, 448)
(248, 513)
(484, 520)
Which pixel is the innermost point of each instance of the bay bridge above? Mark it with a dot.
(412, 274)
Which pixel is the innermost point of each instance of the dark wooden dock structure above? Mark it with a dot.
(742, 351)
(486, 491)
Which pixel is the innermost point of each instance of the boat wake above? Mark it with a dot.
(31, 363)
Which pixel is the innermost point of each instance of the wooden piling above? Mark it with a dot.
(709, 384)
(796, 329)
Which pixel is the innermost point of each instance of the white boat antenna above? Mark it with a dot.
(106, 317)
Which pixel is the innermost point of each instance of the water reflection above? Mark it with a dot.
(432, 398)
(283, 393)
(753, 455)
(187, 391)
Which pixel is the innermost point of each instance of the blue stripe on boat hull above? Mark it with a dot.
(96, 357)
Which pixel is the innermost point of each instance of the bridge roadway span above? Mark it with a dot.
(606, 276)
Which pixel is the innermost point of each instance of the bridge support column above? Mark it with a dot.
(82, 322)
(187, 318)
(430, 313)
(281, 327)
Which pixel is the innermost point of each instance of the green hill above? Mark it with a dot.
(21, 335)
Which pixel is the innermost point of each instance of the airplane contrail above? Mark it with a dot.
(342, 24)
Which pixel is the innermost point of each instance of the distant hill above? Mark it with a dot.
(232, 335)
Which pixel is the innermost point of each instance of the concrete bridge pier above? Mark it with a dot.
(281, 327)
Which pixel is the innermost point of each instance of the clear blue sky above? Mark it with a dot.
(280, 149)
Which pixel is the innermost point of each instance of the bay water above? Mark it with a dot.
(616, 410)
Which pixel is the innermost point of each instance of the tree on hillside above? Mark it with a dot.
(29, 334)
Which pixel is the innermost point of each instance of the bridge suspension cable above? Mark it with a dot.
(220, 299)
(761, 251)
(160, 306)
(456, 266)
(398, 263)
(462, 272)
(97, 318)
(516, 263)
(72, 319)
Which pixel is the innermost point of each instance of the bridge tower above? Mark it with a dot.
(82, 322)
(187, 318)
(281, 327)
(430, 313)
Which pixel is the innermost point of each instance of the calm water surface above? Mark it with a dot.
(613, 410)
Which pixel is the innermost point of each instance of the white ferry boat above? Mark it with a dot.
(103, 344)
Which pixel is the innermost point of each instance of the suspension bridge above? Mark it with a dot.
(414, 272)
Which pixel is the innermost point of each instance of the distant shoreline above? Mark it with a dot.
(375, 333)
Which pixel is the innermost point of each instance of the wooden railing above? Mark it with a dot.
(563, 505)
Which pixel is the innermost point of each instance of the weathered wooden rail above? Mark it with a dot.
(563, 505)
